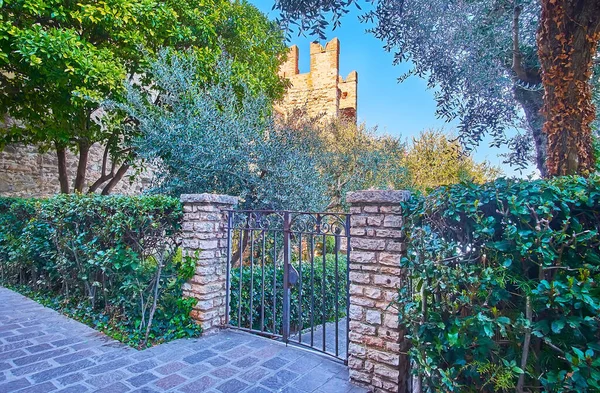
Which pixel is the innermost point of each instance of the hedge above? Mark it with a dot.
(111, 261)
(504, 291)
(328, 312)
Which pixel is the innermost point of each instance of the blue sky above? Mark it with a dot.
(400, 109)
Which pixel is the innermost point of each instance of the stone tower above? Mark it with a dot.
(322, 90)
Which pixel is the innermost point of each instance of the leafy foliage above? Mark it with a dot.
(504, 286)
(350, 156)
(356, 158)
(432, 160)
(111, 262)
(55, 56)
(484, 78)
(221, 138)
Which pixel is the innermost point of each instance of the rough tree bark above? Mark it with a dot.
(530, 100)
(84, 150)
(568, 37)
(116, 178)
(63, 177)
(104, 177)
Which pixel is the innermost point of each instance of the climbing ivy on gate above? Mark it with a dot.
(503, 292)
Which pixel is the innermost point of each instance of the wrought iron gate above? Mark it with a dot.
(287, 277)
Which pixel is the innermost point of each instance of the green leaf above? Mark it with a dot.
(558, 325)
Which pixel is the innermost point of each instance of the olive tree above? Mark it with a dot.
(220, 137)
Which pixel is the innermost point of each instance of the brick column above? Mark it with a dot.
(204, 238)
(376, 340)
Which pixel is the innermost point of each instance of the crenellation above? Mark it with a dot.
(290, 67)
(321, 91)
(348, 98)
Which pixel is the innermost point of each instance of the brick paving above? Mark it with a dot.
(43, 351)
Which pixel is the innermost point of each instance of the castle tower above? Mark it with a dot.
(321, 91)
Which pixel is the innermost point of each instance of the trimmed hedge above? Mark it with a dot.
(328, 312)
(111, 261)
(504, 291)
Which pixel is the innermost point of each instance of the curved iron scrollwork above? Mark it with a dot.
(257, 220)
(299, 222)
(319, 223)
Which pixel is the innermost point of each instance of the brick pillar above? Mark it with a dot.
(376, 340)
(204, 238)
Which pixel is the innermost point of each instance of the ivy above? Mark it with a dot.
(503, 292)
(101, 260)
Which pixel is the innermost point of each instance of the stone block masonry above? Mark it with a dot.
(204, 238)
(322, 91)
(377, 347)
(25, 172)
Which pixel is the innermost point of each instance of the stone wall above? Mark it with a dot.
(25, 172)
(376, 353)
(322, 90)
(204, 238)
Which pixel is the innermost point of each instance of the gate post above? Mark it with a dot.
(204, 238)
(377, 349)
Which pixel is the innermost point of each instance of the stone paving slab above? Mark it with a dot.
(44, 351)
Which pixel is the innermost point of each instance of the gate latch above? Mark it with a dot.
(293, 275)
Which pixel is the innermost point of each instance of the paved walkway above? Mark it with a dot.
(43, 351)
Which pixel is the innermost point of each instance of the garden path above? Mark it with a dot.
(44, 351)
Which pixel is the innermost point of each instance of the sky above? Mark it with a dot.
(399, 109)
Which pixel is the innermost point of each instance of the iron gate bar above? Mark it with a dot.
(297, 229)
(300, 324)
(251, 277)
(323, 303)
(337, 294)
(286, 276)
(312, 290)
(239, 318)
(347, 286)
(227, 273)
(274, 324)
(262, 298)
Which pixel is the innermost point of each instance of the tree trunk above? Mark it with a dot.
(104, 177)
(567, 40)
(532, 102)
(118, 176)
(84, 150)
(63, 177)
(101, 180)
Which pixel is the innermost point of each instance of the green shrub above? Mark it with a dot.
(504, 286)
(112, 262)
(320, 311)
